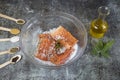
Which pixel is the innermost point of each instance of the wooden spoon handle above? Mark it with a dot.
(5, 64)
(4, 52)
(6, 39)
(7, 17)
(5, 29)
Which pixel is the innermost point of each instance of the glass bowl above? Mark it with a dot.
(44, 22)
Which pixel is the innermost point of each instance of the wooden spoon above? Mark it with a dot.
(12, 39)
(10, 51)
(12, 31)
(18, 21)
(13, 60)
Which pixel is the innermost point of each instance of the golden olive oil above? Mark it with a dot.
(99, 26)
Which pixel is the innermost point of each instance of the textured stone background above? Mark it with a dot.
(88, 67)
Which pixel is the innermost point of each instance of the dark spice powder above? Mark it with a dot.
(15, 59)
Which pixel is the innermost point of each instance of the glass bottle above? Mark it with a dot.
(99, 26)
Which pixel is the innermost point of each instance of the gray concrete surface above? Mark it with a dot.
(88, 67)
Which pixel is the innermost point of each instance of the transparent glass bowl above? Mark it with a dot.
(44, 22)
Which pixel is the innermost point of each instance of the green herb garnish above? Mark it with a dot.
(102, 48)
(58, 45)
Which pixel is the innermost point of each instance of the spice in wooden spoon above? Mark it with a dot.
(10, 51)
(13, 60)
(12, 39)
(18, 21)
(12, 31)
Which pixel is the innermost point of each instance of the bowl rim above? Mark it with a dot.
(57, 13)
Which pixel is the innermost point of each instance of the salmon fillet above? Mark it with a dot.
(45, 47)
(47, 50)
(61, 58)
(66, 37)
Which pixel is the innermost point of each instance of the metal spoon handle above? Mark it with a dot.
(6, 39)
(4, 52)
(5, 29)
(7, 17)
(5, 64)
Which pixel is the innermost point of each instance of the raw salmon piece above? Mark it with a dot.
(47, 50)
(66, 37)
(59, 59)
(45, 47)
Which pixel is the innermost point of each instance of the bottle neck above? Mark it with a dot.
(102, 17)
(103, 12)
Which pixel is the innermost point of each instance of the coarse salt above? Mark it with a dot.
(51, 30)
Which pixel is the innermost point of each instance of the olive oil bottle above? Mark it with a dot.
(99, 26)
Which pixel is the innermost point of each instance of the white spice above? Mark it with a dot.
(14, 39)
